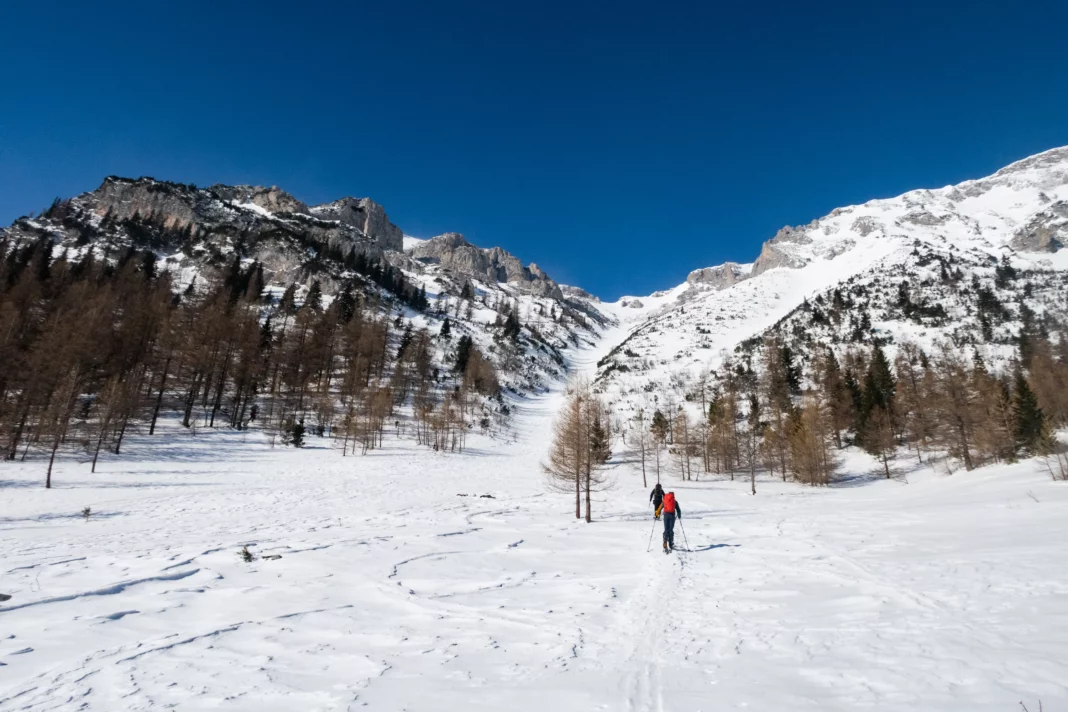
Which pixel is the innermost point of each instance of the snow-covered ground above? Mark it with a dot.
(393, 592)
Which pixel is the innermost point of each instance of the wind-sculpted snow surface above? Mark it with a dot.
(401, 585)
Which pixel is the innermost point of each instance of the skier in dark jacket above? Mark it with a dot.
(657, 498)
(671, 511)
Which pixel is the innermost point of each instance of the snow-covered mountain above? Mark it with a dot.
(208, 567)
(952, 247)
(203, 234)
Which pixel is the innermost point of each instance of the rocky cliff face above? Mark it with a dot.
(273, 199)
(1047, 231)
(720, 277)
(780, 251)
(173, 205)
(199, 228)
(196, 227)
(366, 216)
(456, 254)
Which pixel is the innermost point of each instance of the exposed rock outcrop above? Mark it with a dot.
(923, 217)
(199, 226)
(1047, 231)
(865, 225)
(273, 199)
(777, 251)
(455, 253)
(573, 292)
(174, 206)
(718, 277)
(365, 215)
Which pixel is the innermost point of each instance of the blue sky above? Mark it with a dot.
(618, 145)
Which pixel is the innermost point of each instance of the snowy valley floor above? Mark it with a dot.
(394, 593)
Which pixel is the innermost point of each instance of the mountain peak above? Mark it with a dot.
(273, 199)
(1045, 160)
(366, 216)
(495, 264)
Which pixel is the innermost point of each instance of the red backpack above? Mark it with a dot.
(669, 502)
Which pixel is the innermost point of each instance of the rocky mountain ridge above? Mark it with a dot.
(214, 236)
(970, 234)
(1016, 218)
(190, 226)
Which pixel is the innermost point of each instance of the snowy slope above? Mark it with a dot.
(395, 592)
(401, 586)
(678, 334)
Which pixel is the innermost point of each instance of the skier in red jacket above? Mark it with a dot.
(670, 511)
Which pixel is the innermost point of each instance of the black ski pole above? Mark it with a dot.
(649, 547)
(684, 537)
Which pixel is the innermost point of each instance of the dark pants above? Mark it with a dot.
(669, 528)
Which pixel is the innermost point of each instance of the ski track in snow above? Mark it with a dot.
(391, 593)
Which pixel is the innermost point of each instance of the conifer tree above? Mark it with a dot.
(314, 299)
(463, 353)
(659, 430)
(1030, 421)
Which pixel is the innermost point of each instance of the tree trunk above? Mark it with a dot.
(51, 461)
(100, 437)
(578, 494)
(644, 482)
(122, 432)
(965, 451)
(159, 398)
(14, 450)
(191, 399)
(588, 517)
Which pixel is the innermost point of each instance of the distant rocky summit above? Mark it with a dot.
(455, 253)
(190, 226)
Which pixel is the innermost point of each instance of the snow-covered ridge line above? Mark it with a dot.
(1017, 216)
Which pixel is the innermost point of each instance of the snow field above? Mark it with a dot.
(394, 593)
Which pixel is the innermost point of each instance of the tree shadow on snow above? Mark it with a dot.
(861, 479)
(57, 515)
(13, 484)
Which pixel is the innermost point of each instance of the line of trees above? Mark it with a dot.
(92, 349)
(763, 414)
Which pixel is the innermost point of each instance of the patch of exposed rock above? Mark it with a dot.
(456, 254)
(865, 225)
(174, 206)
(365, 215)
(201, 225)
(923, 217)
(777, 252)
(273, 199)
(719, 277)
(571, 292)
(1047, 231)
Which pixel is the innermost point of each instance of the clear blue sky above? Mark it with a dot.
(619, 145)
